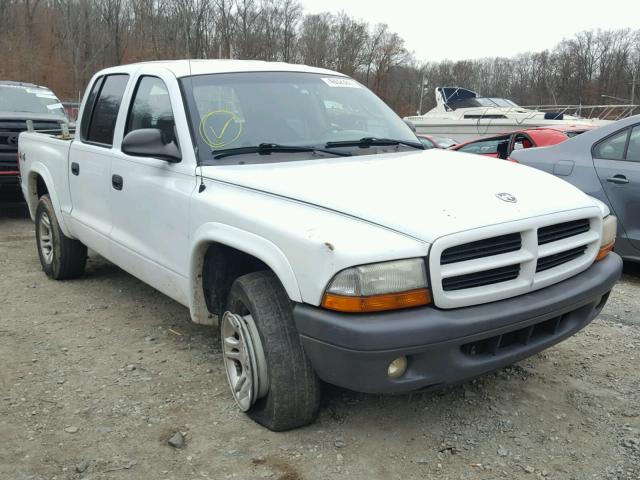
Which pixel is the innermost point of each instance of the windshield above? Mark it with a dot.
(235, 110)
(23, 99)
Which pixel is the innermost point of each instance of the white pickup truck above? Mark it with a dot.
(291, 207)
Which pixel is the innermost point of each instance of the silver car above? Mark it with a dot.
(604, 163)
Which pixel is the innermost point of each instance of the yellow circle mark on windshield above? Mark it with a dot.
(220, 128)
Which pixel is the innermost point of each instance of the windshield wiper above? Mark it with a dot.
(267, 148)
(373, 142)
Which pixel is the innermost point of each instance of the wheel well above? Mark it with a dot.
(222, 265)
(41, 187)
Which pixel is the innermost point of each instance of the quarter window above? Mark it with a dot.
(613, 147)
(151, 108)
(633, 150)
(105, 113)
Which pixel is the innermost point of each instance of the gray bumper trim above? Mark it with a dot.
(353, 351)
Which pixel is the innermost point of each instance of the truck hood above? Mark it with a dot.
(424, 194)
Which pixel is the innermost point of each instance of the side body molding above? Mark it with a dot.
(259, 247)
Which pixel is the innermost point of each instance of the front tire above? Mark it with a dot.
(270, 376)
(61, 257)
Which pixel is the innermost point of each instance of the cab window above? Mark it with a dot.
(151, 108)
(102, 122)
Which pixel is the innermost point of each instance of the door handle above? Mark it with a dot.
(75, 168)
(117, 182)
(618, 179)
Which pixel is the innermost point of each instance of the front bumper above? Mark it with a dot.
(449, 346)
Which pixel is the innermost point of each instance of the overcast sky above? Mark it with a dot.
(461, 29)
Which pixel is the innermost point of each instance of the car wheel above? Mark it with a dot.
(61, 257)
(270, 377)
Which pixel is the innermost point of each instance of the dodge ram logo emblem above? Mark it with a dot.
(506, 197)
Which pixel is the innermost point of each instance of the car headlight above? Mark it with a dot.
(379, 286)
(609, 230)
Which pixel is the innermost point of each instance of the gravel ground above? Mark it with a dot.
(98, 374)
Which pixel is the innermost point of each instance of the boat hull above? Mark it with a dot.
(464, 130)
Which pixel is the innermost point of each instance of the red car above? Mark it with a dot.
(435, 141)
(502, 145)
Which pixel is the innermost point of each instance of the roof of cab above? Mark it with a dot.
(185, 68)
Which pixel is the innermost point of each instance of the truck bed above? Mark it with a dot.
(33, 148)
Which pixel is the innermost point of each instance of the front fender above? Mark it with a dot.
(244, 241)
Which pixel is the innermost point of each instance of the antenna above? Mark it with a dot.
(202, 186)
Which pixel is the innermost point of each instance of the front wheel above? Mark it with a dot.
(270, 377)
(61, 257)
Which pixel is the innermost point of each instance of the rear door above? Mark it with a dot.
(617, 161)
(90, 163)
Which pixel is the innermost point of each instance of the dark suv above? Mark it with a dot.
(20, 102)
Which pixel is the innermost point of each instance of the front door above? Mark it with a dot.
(150, 205)
(617, 161)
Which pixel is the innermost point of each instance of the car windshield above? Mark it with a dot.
(25, 99)
(234, 110)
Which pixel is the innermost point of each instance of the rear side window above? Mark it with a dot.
(612, 148)
(105, 111)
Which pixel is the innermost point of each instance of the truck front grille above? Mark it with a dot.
(497, 262)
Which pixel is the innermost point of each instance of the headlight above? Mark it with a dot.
(609, 230)
(379, 286)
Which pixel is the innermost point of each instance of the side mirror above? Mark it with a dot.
(150, 142)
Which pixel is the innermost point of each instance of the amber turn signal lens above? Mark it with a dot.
(377, 303)
(604, 251)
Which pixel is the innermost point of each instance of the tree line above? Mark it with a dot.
(61, 43)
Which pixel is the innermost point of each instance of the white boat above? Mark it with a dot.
(464, 115)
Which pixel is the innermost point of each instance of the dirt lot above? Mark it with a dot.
(96, 374)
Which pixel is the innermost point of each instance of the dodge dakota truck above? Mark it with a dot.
(291, 208)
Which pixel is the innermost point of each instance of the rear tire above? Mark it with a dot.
(290, 395)
(61, 257)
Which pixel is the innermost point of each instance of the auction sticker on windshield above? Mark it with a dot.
(341, 82)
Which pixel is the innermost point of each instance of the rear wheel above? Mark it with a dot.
(270, 377)
(61, 257)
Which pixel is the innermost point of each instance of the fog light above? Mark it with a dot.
(397, 367)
